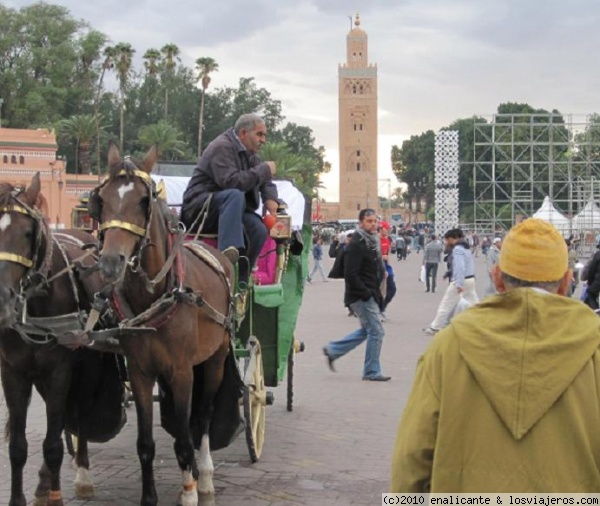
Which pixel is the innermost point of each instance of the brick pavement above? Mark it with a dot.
(333, 449)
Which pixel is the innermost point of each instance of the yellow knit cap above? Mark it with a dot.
(534, 250)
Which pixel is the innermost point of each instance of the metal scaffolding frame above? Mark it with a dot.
(521, 158)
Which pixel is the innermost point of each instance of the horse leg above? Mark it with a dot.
(213, 370)
(43, 487)
(181, 386)
(53, 447)
(17, 393)
(84, 487)
(142, 385)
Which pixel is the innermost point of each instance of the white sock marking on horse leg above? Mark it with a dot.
(206, 468)
(84, 487)
(189, 497)
(5, 222)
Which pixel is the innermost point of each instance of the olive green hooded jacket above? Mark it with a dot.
(506, 399)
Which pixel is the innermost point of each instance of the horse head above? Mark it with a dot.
(122, 205)
(21, 248)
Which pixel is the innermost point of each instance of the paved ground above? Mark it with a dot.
(333, 449)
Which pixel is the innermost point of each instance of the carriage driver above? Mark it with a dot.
(232, 174)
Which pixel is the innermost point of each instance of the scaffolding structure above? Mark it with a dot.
(519, 159)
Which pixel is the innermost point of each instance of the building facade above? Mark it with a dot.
(357, 126)
(23, 153)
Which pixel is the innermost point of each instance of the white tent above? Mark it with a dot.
(588, 218)
(549, 213)
(176, 185)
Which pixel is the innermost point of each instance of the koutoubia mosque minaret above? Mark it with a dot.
(358, 126)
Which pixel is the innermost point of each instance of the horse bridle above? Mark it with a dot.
(125, 225)
(26, 210)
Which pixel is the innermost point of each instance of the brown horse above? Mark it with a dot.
(139, 237)
(39, 298)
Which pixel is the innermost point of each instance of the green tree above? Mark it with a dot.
(82, 130)
(47, 60)
(170, 54)
(123, 60)
(205, 66)
(165, 137)
(414, 164)
(299, 169)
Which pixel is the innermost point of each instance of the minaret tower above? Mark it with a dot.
(358, 126)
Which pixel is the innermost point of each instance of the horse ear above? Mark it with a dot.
(114, 157)
(150, 159)
(32, 192)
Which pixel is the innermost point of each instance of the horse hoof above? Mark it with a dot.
(206, 488)
(84, 491)
(40, 500)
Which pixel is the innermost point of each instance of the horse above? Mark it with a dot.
(185, 294)
(42, 295)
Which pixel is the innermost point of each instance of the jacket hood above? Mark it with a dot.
(524, 348)
(462, 242)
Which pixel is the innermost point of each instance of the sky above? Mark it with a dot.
(438, 60)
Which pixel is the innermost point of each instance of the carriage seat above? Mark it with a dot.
(266, 266)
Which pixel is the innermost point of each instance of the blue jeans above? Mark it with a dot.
(370, 330)
(228, 216)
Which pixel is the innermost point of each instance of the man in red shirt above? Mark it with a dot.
(390, 283)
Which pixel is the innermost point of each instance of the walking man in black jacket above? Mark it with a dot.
(363, 274)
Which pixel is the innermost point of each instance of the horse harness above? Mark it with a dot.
(163, 309)
(43, 330)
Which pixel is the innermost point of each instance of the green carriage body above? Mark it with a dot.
(273, 313)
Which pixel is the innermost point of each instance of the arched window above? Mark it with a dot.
(5, 157)
(21, 160)
(357, 166)
(354, 89)
(13, 159)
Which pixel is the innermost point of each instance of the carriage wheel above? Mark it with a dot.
(72, 443)
(290, 379)
(255, 400)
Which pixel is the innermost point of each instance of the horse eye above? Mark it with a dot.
(145, 203)
(28, 234)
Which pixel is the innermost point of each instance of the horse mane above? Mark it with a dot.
(6, 194)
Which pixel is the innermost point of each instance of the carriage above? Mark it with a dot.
(199, 345)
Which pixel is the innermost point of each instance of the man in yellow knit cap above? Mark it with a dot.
(506, 398)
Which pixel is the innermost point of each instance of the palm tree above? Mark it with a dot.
(170, 58)
(82, 129)
(152, 62)
(123, 60)
(204, 66)
(108, 63)
(166, 138)
(299, 169)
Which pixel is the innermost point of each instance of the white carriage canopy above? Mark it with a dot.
(176, 185)
(588, 218)
(549, 213)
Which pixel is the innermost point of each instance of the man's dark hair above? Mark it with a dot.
(454, 233)
(366, 212)
(433, 237)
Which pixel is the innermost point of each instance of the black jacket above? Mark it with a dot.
(593, 275)
(225, 164)
(363, 271)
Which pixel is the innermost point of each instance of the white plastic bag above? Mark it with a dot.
(462, 305)
(422, 274)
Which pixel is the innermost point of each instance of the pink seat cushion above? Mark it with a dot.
(266, 265)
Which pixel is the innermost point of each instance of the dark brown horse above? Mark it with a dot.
(40, 298)
(139, 237)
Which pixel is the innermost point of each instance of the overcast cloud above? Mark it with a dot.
(438, 60)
